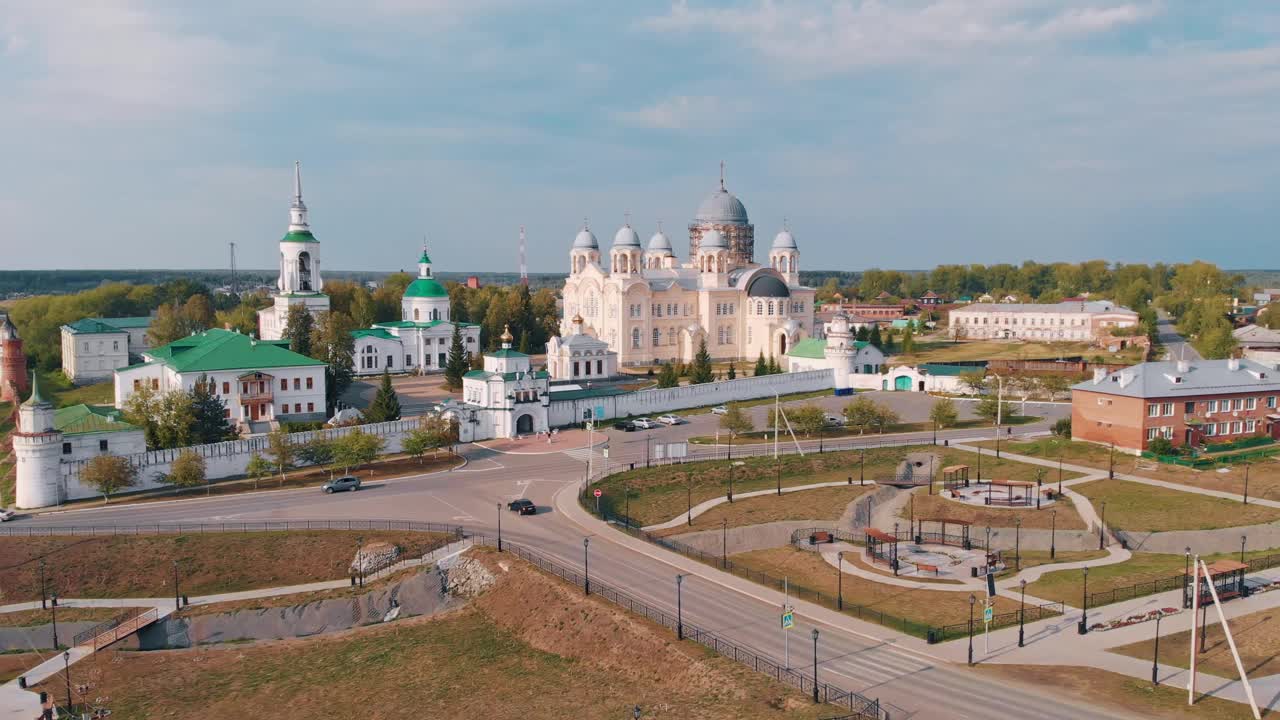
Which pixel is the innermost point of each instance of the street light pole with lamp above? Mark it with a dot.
(1102, 527)
(1186, 580)
(586, 566)
(840, 580)
(177, 595)
(1053, 534)
(1084, 605)
(724, 544)
(1022, 612)
(679, 608)
(815, 665)
(972, 600)
(1017, 543)
(499, 506)
(1155, 655)
(999, 410)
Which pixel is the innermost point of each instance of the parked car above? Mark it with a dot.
(346, 482)
(671, 420)
(6, 515)
(719, 410)
(523, 506)
(645, 423)
(833, 421)
(624, 426)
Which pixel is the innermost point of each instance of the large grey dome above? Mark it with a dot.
(784, 241)
(659, 242)
(585, 240)
(626, 237)
(767, 286)
(712, 239)
(722, 206)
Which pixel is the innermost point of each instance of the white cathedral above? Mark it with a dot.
(649, 307)
(417, 342)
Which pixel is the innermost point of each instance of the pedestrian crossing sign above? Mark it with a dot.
(788, 619)
(988, 614)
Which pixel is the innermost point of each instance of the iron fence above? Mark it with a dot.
(1033, 613)
(1172, 582)
(860, 707)
(93, 632)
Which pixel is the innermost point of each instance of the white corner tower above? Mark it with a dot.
(425, 300)
(659, 253)
(784, 256)
(624, 256)
(299, 282)
(585, 251)
(713, 259)
(841, 350)
(38, 448)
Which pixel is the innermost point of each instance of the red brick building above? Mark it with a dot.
(1188, 403)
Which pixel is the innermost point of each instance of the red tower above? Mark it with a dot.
(13, 364)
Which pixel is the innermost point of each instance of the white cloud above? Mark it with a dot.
(868, 33)
(682, 112)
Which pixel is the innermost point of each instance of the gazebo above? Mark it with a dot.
(941, 537)
(955, 476)
(1228, 579)
(1026, 499)
(882, 548)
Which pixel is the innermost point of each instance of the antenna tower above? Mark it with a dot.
(524, 265)
(235, 286)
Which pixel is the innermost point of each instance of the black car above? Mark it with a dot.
(625, 426)
(523, 506)
(346, 482)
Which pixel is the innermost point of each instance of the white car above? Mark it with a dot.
(7, 514)
(644, 422)
(671, 420)
(719, 410)
(833, 421)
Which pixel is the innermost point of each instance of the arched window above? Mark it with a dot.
(415, 314)
(783, 262)
(435, 314)
(635, 337)
(657, 337)
(759, 307)
(671, 336)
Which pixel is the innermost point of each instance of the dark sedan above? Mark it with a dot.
(523, 506)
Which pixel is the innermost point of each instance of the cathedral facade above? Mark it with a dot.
(650, 307)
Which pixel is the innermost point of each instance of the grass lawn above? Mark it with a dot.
(531, 648)
(766, 436)
(1033, 558)
(816, 504)
(29, 618)
(142, 566)
(1257, 637)
(13, 664)
(659, 494)
(1066, 585)
(947, 351)
(807, 569)
(924, 505)
(1129, 695)
(56, 388)
(1145, 508)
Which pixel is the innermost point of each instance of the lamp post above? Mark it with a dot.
(1017, 544)
(972, 600)
(1022, 611)
(1246, 483)
(724, 544)
(1155, 655)
(1242, 539)
(778, 475)
(1186, 580)
(815, 665)
(1084, 605)
(1102, 527)
(840, 580)
(988, 538)
(894, 559)
(44, 604)
(999, 409)
(177, 595)
(1053, 534)
(54, 610)
(862, 463)
(688, 498)
(499, 506)
(1059, 474)
(586, 567)
(679, 608)
(1111, 463)
(935, 432)
(733, 466)
(66, 673)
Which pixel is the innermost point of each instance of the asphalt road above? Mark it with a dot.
(1176, 347)
(910, 684)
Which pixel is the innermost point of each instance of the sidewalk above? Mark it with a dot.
(706, 505)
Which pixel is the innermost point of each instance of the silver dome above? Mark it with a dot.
(784, 241)
(722, 206)
(712, 239)
(585, 240)
(659, 242)
(626, 237)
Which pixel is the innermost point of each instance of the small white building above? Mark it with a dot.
(92, 348)
(260, 382)
(506, 399)
(838, 351)
(579, 356)
(1070, 321)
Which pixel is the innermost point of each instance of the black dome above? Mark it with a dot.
(768, 286)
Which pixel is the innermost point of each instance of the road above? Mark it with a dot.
(908, 681)
(1176, 346)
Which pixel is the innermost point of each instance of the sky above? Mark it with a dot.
(888, 133)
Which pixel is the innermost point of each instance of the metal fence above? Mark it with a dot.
(1033, 613)
(84, 637)
(260, 526)
(1172, 582)
(861, 707)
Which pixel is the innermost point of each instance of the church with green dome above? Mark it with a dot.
(419, 341)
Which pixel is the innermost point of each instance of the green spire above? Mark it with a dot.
(35, 398)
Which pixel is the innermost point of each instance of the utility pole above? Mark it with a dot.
(234, 280)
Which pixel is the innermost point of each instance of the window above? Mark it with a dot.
(599, 367)
(1213, 406)
(1153, 410)
(284, 384)
(284, 409)
(408, 360)
(390, 361)
(720, 336)
(635, 338)
(310, 383)
(1236, 427)
(575, 368)
(66, 448)
(115, 345)
(102, 445)
(1250, 426)
(1251, 403)
(1167, 432)
(311, 407)
(1189, 407)
(1166, 409)
(1151, 433)
(1271, 401)
(137, 385)
(1210, 429)
(297, 407)
(1237, 404)
(657, 337)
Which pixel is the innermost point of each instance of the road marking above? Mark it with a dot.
(464, 516)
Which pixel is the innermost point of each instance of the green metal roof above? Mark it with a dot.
(479, 374)
(587, 393)
(129, 322)
(425, 287)
(535, 374)
(373, 332)
(949, 370)
(506, 353)
(225, 350)
(91, 326)
(35, 398)
(809, 348)
(299, 236)
(421, 324)
(81, 419)
(425, 258)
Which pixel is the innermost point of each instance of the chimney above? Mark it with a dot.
(1233, 364)
(1184, 366)
(1099, 374)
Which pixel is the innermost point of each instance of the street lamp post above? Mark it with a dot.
(731, 468)
(815, 665)
(688, 498)
(999, 409)
(679, 608)
(1111, 464)
(586, 567)
(54, 610)
(724, 544)
(499, 506)
(1186, 580)
(177, 595)
(1022, 612)
(972, 600)
(1017, 544)
(935, 432)
(988, 538)
(1246, 484)
(862, 463)
(895, 549)
(840, 580)
(1102, 527)
(1053, 534)
(778, 475)
(1059, 475)
(1242, 539)
(1084, 605)
(1155, 655)
(66, 673)
(44, 603)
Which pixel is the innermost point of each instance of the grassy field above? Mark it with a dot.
(766, 436)
(1128, 695)
(968, 350)
(531, 648)
(29, 618)
(935, 506)
(56, 388)
(142, 566)
(808, 569)
(1066, 585)
(1033, 558)
(1145, 508)
(1264, 475)
(1257, 637)
(659, 494)
(816, 504)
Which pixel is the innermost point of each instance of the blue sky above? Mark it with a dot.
(891, 133)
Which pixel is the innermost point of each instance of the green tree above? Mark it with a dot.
(908, 340)
(989, 408)
(456, 364)
(363, 310)
(1055, 385)
(975, 381)
(762, 367)
(280, 449)
(197, 311)
(1062, 427)
(667, 377)
(186, 471)
(701, 370)
(209, 416)
(864, 413)
(774, 367)
(168, 325)
(808, 419)
(943, 414)
(736, 421)
(733, 371)
(1217, 342)
(332, 342)
(862, 333)
(416, 443)
(442, 431)
(385, 405)
(316, 452)
(1269, 316)
(257, 469)
(298, 328)
(873, 337)
(356, 448)
(108, 474)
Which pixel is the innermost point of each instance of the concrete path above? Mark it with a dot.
(713, 502)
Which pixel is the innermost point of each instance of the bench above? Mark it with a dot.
(820, 537)
(927, 568)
